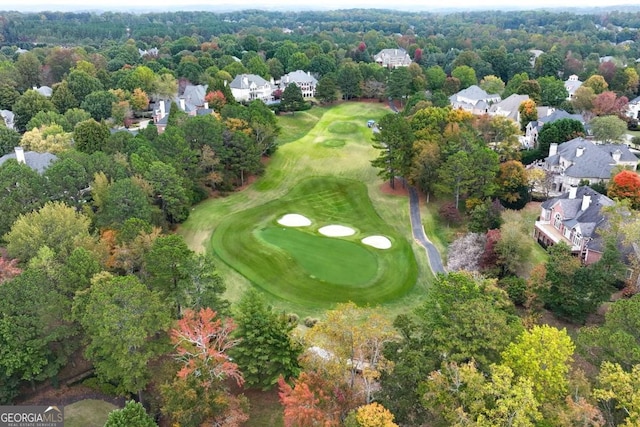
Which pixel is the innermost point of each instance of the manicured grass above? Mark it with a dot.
(343, 127)
(87, 413)
(310, 159)
(324, 257)
(311, 270)
(334, 143)
(295, 126)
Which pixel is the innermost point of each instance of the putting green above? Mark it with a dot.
(304, 267)
(315, 253)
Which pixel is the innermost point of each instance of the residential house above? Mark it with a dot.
(571, 85)
(473, 99)
(580, 160)
(153, 52)
(44, 91)
(305, 81)
(535, 53)
(509, 107)
(8, 117)
(36, 161)
(633, 108)
(247, 87)
(533, 128)
(575, 218)
(392, 58)
(161, 108)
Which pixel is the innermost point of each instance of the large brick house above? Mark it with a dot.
(575, 217)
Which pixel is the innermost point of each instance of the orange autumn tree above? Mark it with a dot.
(199, 393)
(626, 185)
(202, 342)
(311, 401)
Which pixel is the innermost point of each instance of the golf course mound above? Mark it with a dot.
(334, 143)
(300, 264)
(342, 127)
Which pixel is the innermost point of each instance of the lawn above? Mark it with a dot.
(321, 170)
(87, 413)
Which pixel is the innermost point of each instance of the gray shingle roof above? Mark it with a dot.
(36, 161)
(298, 76)
(596, 161)
(560, 114)
(243, 81)
(588, 220)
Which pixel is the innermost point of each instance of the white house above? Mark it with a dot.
(633, 108)
(247, 87)
(392, 58)
(305, 81)
(473, 99)
(571, 85)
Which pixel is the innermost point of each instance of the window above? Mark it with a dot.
(557, 222)
(577, 238)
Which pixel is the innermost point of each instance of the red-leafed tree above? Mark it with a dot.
(202, 342)
(216, 100)
(489, 258)
(417, 56)
(199, 394)
(607, 103)
(626, 185)
(362, 47)
(310, 401)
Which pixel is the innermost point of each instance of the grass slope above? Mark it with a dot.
(303, 159)
(87, 413)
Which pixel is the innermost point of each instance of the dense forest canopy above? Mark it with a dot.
(500, 28)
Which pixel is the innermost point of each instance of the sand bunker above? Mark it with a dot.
(337, 231)
(378, 242)
(294, 220)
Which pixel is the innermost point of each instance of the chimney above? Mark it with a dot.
(553, 149)
(20, 155)
(206, 105)
(579, 151)
(245, 81)
(616, 155)
(573, 190)
(586, 201)
(162, 112)
(183, 104)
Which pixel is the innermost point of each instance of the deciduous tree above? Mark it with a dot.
(626, 185)
(543, 356)
(55, 225)
(122, 319)
(608, 129)
(132, 415)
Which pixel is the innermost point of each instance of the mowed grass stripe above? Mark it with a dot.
(327, 259)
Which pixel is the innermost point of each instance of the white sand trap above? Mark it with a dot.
(294, 220)
(337, 231)
(378, 242)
